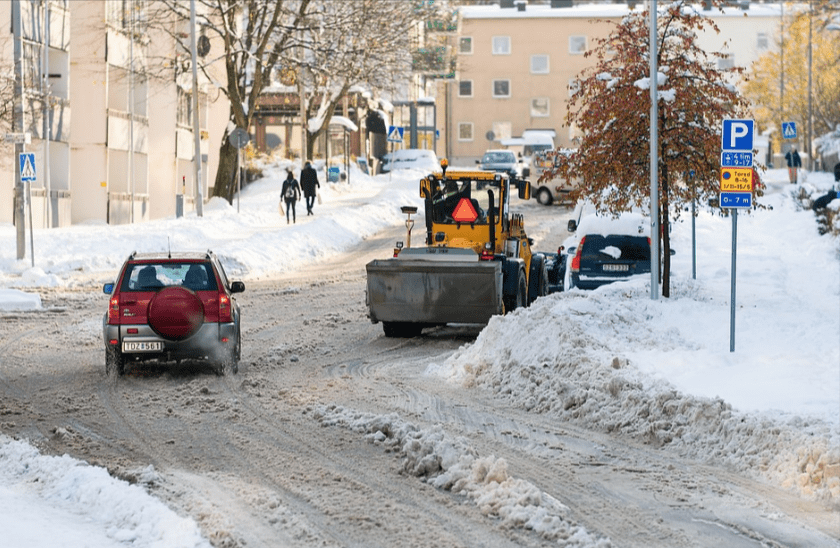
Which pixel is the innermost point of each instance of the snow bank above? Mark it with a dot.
(450, 463)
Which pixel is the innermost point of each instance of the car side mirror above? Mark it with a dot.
(478, 161)
(108, 289)
(237, 287)
(673, 252)
(526, 172)
(572, 226)
(524, 190)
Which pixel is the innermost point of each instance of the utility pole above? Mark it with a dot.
(654, 159)
(20, 123)
(45, 93)
(131, 109)
(199, 197)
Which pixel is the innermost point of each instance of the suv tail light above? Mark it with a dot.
(114, 310)
(224, 308)
(576, 258)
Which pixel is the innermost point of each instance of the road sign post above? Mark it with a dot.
(736, 180)
(26, 163)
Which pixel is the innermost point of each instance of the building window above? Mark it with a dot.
(465, 88)
(183, 115)
(465, 45)
(539, 64)
(465, 131)
(501, 88)
(501, 45)
(577, 45)
(574, 87)
(762, 41)
(726, 62)
(540, 107)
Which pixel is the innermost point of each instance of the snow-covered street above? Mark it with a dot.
(612, 361)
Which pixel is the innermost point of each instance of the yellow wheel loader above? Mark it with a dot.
(476, 262)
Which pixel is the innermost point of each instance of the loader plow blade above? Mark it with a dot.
(433, 292)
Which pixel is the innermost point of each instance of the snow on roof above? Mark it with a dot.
(596, 10)
(344, 121)
(634, 224)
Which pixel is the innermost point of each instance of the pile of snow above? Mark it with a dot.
(450, 463)
(12, 299)
(61, 501)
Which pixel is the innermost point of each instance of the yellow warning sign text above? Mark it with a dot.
(734, 179)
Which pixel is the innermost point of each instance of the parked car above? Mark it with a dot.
(504, 161)
(608, 250)
(410, 158)
(172, 307)
(556, 190)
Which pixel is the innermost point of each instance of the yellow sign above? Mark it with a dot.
(736, 179)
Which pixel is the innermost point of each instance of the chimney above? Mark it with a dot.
(561, 3)
(521, 4)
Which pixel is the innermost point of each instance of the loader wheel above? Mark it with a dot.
(404, 330)
(519, 300)
(538, 286)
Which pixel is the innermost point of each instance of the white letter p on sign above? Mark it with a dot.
(739, 129)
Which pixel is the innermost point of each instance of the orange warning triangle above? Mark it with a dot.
(464, 212)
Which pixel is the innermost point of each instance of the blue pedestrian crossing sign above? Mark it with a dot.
(737, 135)
(27, 166)
(789, 130)
(395, 134)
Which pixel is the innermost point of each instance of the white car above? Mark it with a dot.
(410, 158)
(553, 191)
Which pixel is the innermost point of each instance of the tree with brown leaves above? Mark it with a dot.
(611, 110)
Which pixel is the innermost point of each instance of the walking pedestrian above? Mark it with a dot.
(308, 181)
(794, 162)
(290, 194)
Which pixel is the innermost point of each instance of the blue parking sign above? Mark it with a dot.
(737, 135)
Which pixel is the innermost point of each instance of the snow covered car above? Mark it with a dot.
(410, 158)
(172, 307)
(504, 161)
(608, 250)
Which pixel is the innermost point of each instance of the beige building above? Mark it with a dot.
(121, 145)
(517, 62)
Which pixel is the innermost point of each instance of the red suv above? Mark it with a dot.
(172, 307)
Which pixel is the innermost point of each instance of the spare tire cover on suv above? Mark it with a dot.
(175, 313)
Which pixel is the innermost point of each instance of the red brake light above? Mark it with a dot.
(114, 310)
(576, 258)
(224, 308)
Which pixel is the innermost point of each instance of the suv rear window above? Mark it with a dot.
(615, 247)
(154, 276)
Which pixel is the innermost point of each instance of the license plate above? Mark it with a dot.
(616, 268)
(155, 346)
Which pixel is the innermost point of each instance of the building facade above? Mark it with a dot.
(127, 152)
(517, 63)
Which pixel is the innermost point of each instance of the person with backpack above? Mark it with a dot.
(794, 162)
(308, 181)
(290, 194)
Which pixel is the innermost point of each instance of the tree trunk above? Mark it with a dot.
(226, 175)
(310, 144)
(666, 242)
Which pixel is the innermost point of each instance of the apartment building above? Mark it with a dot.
(128, 149)
(517, 63)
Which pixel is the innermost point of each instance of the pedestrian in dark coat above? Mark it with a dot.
(794, 162)
(308, 181)
(290, 194)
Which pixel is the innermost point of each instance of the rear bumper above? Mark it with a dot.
(205, 344)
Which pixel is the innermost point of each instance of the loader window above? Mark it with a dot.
(449, 193)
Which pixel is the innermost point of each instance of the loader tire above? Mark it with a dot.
(519, 300)
(404, 330)
(538, 282)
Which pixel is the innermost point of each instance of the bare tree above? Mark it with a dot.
(253, 36)
(363, 42)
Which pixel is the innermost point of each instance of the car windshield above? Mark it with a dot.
(498, 157)
(465, 201)
(615, 247)
(155, 276)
